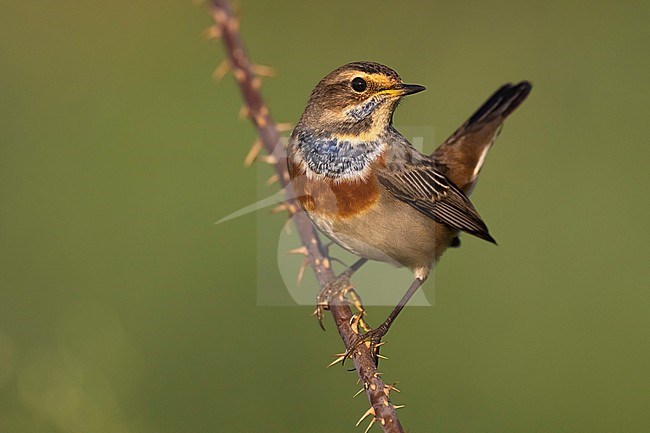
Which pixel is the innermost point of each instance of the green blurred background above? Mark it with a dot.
(124, 308)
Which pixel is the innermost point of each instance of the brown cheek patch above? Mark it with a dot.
(334, 199)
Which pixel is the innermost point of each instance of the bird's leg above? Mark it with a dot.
(375, 335)
(334, 288)
(326, 247)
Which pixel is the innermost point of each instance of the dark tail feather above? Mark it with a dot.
(503, 102)
(463, 153)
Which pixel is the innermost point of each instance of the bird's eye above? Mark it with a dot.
(359, 84)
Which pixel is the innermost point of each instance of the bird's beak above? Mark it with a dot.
(405, 89)
(409, 89)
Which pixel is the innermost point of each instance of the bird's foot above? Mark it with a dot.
(328, 294)
(335, 291)
(373, 337)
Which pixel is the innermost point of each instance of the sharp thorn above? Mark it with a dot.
(372, 421)
(358, 392)
(212, 32)
(337, 360)
(271, 180)
(370, 411)
(283, 127)
(301, 271)
(264, 71)
(269, 159)
(252, 154)
(389, 388)
(279, 208)
(222, 69)
(244, 112)
(301, 250)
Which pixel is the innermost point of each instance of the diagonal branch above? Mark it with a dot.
(227, 27)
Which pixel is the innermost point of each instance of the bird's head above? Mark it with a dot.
(356, 99)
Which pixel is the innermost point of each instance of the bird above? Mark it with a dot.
(368, 189)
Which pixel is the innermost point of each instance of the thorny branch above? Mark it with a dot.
(227, 28)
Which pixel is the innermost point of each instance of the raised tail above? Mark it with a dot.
(463, 153)
(503, 102)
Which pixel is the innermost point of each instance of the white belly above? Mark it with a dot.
(353, 244)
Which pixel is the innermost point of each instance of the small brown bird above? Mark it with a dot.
(368, 189)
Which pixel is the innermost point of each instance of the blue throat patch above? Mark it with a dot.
(327, 155)
(363, 111)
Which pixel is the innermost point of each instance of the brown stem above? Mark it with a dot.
(249, 85)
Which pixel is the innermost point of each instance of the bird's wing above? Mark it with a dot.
(427, 190)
